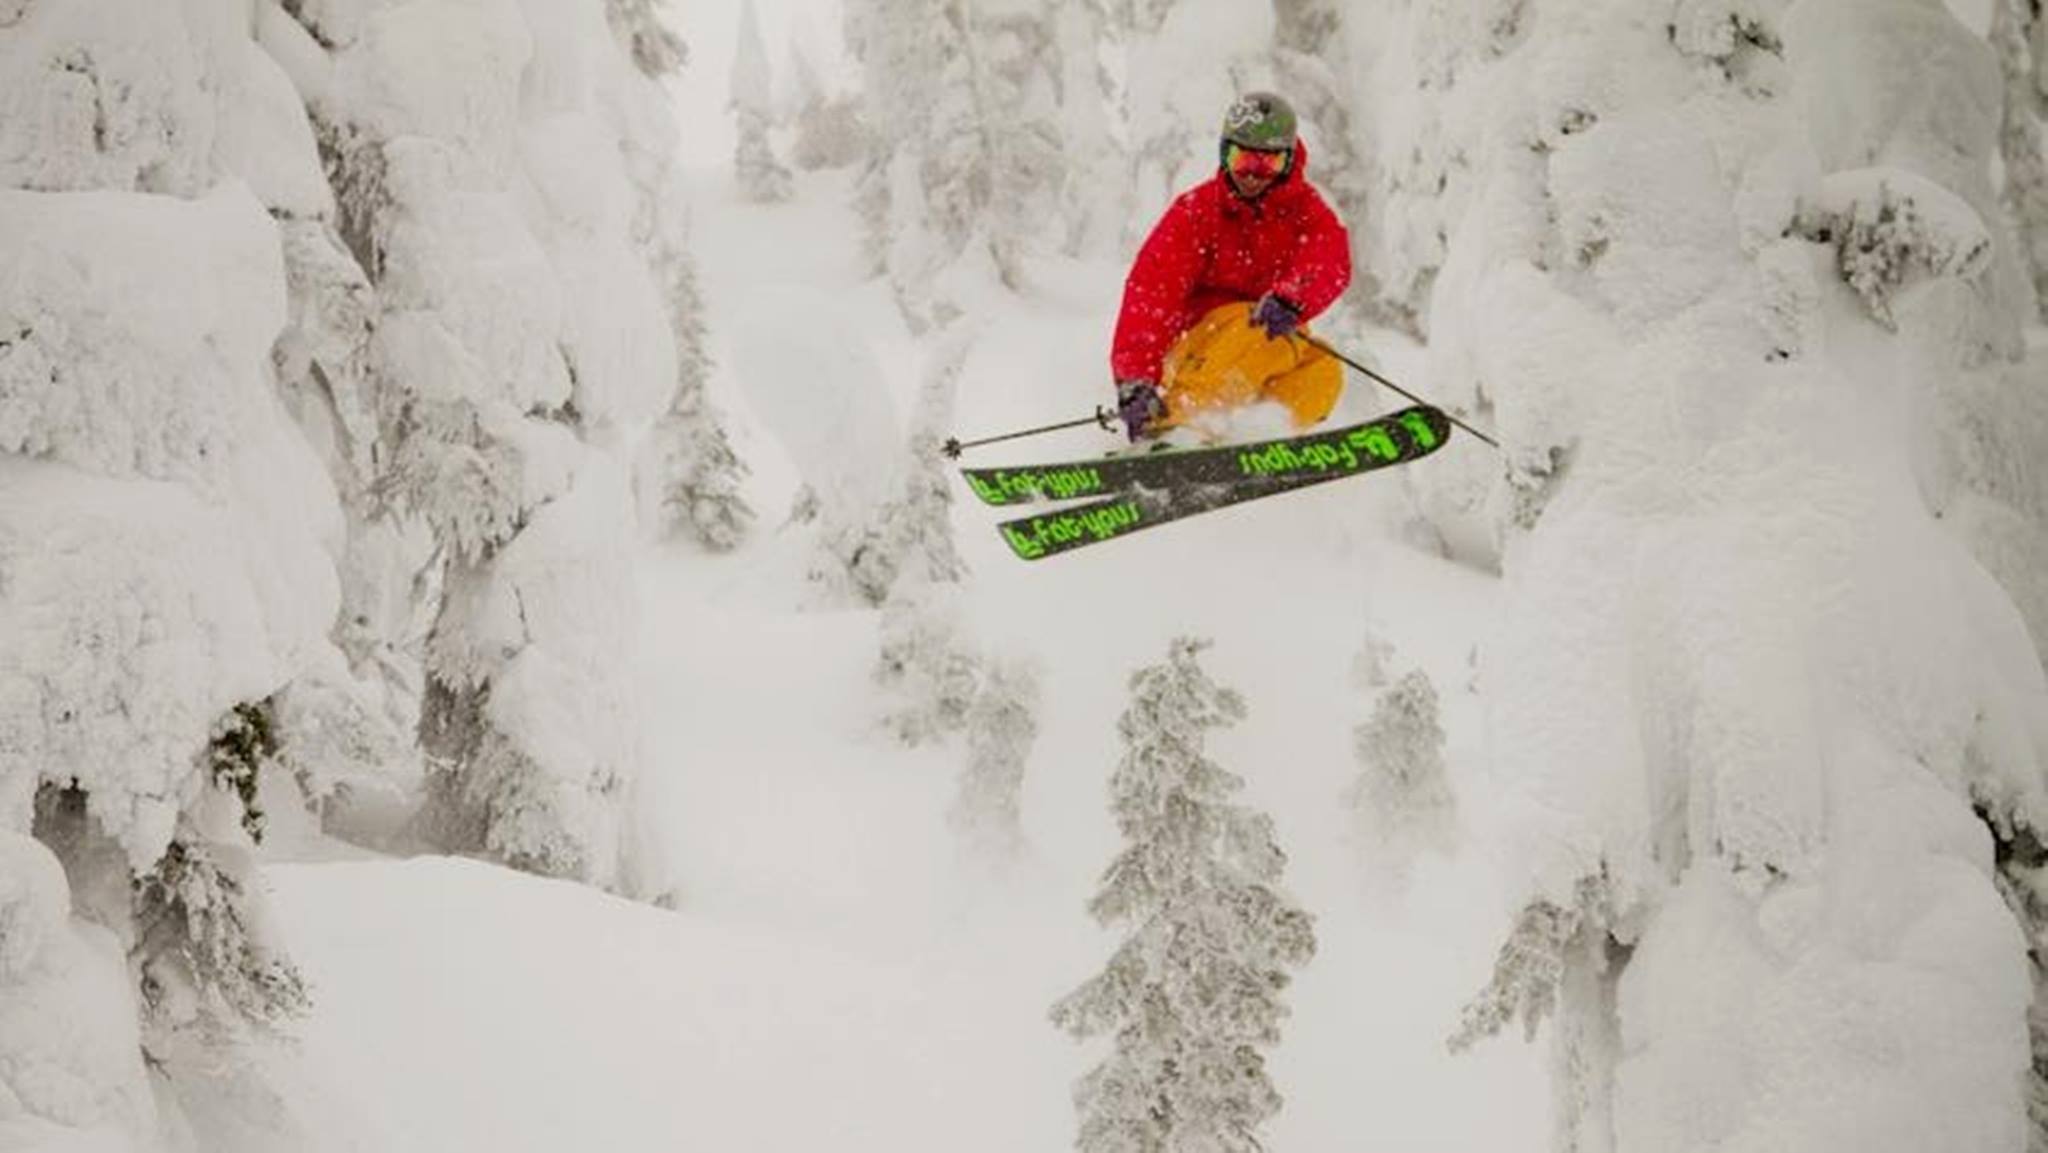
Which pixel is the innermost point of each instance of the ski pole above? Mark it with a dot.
(1397, 388)
(954, 446)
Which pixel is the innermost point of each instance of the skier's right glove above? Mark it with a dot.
(1139, 404)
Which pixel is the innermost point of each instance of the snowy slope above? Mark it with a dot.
(837, 976)
(1750, 698)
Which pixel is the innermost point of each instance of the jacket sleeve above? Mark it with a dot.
(1156, 293)
(1322, 265)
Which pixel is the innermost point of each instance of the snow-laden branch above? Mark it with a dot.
(1892, 230)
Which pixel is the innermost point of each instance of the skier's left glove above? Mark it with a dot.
(1276, 314)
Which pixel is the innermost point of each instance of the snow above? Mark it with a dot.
(830, 948)
(92, 315)
(1725, 647)
(190, 567)
(831, 945)
(1744, 680)
(845, 438)
(107, 97)
(74, 1076)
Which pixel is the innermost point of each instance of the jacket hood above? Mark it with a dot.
(1300, 165)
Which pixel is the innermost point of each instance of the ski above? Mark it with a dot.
(1325, 454)
(1142, 507)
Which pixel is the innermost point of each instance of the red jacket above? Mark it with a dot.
(1213, 247)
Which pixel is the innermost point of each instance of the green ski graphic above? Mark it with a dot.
(1332, 452)
(1260, 470)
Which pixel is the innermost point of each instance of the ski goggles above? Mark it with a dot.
(1252, 162)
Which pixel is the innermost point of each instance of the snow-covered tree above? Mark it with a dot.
(208, 968)
(317, 314)
(1402, 796)
(1002, 725)
(1892, 231)
(69, 1038)
(1313, 66)
(761, 176)
(1372, 667)
(1172, 67)
(507, 182)
(907, 536)
(903, 542)
(1016, 49)
(1993, 491)
(1560, 964)
(687, 468)
(917, 188)
(939, 682)
(1097, 197)
(689, 463)
(908, 564)
(166, 530)
(1531, 966)
(2016, 35)
(1192, 996)
(1420, 127)
(827, 128)
(2022, 863)
(1752, 679)
(655, 47)
(928, 667)
(961, 102)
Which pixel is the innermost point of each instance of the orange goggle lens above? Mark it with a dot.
(1244, 161)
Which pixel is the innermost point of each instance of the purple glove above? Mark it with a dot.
(1276, 315)
(1138, 403)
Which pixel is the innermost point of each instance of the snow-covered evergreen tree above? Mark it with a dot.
(1402, 796)
(2022, 863)
(69, 1039)
(689, 462)
(1015, 47)
(928, 668)
(1191, 996)
(1371, 667)
(520, 225)
(909, 564)
(904, 542)
(655, 47)
(1002, 725)
(917, 186)
(938, 683)
(962, 106)
(1098, 200)
(910, 536)
(1562, 964)
(168, 534)
(2015, 34)
(1420, 127)
(1752, 680)
(827, 128)
(761, 176)
(1313, 66)
(1170, 85)
(209, 969)
(1528, 970)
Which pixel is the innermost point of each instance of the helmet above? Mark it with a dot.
(1259, 120)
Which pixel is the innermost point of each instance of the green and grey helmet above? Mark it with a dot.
(1259, 120)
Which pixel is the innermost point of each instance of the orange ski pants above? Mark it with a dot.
(1226, 362)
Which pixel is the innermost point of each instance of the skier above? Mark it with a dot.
(1214, 303)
